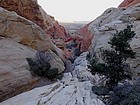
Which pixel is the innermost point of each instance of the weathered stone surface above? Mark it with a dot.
(69, 91)
(116, 19)
(15, 76)
(127, 3)
(81, 71)
(23, 31)
(16, 31)
(32, 11)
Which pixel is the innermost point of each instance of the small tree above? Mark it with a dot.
(115, 59)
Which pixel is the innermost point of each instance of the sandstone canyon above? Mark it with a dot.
(32, 11)
(26, 29)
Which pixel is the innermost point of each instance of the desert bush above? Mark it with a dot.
(51, 73)
(42, 69)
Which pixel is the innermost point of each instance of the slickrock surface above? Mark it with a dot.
(15, 76)
(73, 89)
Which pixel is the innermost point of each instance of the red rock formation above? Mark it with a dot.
(32, 11)
(58, 35)
(127, 3)
(85, 38)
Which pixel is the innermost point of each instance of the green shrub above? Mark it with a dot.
(42, 69)
(51, 73)
(95, 67)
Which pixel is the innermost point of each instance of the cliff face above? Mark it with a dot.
(112, 20)
(85, 34)
(127, 3)
(32, 11)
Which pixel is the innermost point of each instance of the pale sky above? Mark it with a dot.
(77, 10)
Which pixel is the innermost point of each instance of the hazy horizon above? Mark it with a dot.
(76, 10)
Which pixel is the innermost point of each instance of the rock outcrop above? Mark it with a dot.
(73, 89)
(15, 76)
(20, 39)
(127, 3)
(23, 31)
(116, 19)
(32, 11)
(85, 38)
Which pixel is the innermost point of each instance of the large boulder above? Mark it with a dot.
(23, 31)
(34, 12)
(112, 20)
(19, 39)
(85, 38)
(15, 76)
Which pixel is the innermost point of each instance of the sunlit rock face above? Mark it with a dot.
(127, 3)
(32, 11)
(111, 21)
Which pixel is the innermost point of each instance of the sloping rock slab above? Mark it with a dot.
(15, 76)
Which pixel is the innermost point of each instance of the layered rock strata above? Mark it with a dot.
(32, 11)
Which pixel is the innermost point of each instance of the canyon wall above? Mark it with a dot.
(24, 30)
(111, 21)
(31, 10)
